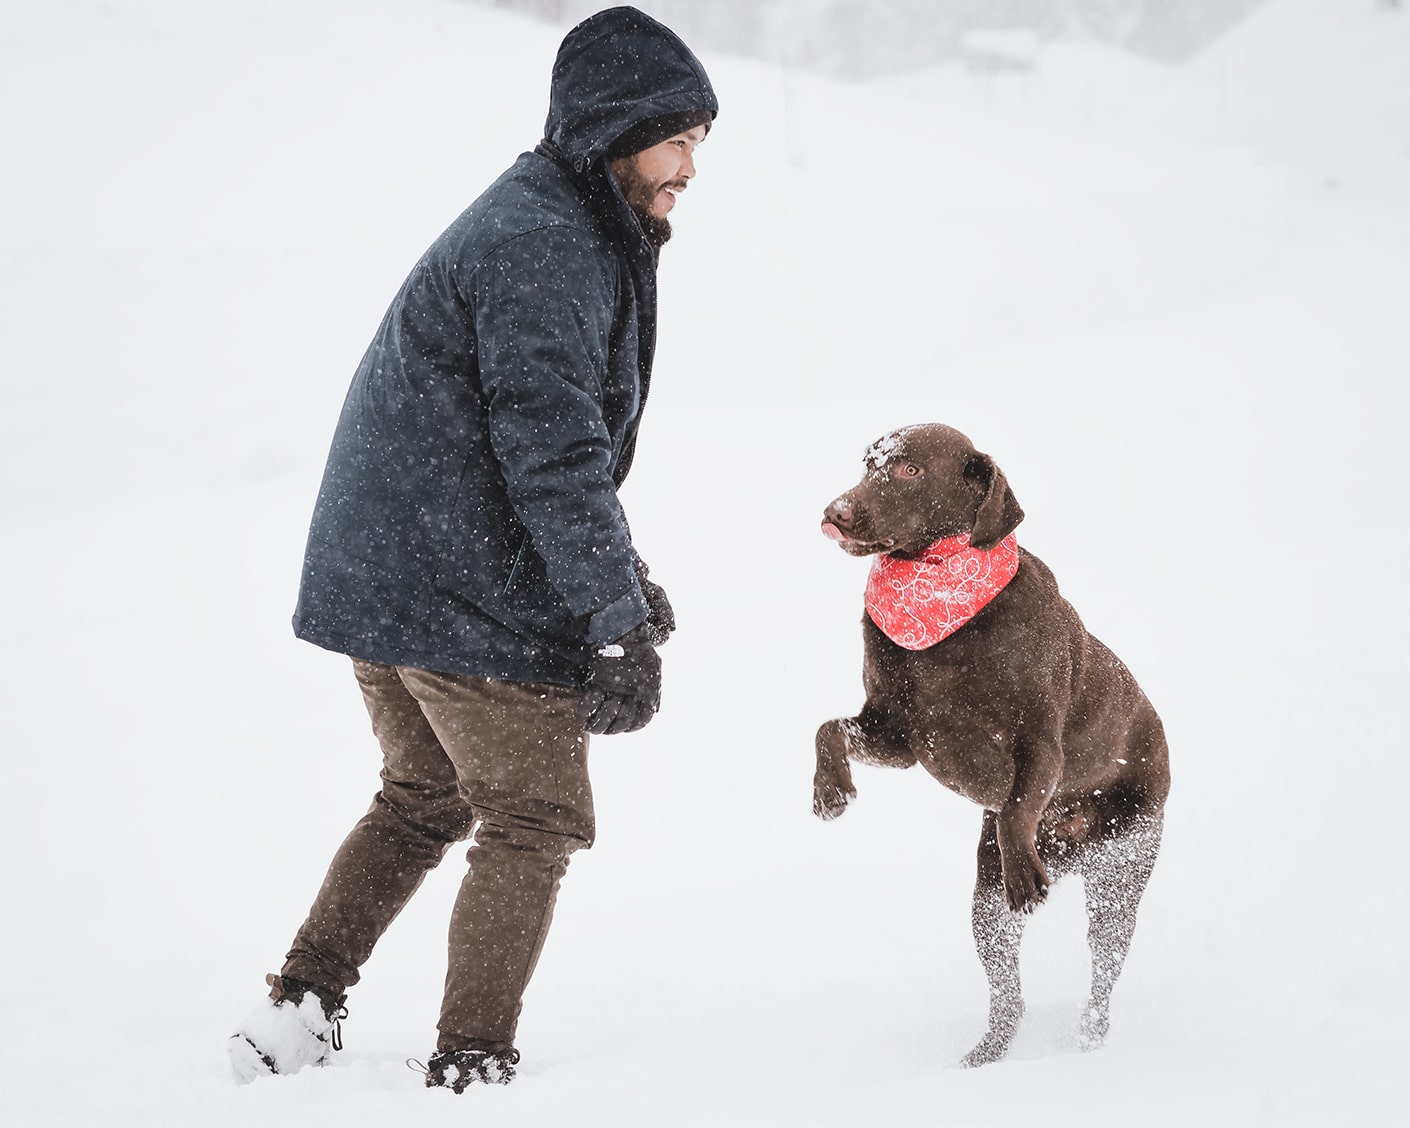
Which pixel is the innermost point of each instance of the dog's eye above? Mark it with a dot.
(908, 470)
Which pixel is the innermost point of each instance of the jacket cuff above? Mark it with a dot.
(616, 619)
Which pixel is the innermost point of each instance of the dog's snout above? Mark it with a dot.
(840, 513)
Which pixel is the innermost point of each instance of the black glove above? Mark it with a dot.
(660, 619)
(623, 688)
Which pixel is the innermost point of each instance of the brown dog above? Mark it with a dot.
(1019, 709)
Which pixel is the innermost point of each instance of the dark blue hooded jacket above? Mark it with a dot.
(468, 520)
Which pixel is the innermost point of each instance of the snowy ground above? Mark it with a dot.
(1173, 304)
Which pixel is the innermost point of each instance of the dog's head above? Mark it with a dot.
(921, 484)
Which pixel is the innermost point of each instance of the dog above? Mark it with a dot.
(976, 668)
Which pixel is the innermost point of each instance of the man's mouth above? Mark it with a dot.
(670, 190)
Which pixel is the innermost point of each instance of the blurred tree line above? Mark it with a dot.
(863, 38)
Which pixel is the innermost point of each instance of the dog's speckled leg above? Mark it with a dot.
(1115, 873)
(998, 931)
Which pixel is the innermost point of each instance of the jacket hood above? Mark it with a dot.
(615, 70)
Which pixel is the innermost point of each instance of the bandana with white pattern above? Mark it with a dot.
(920, 602)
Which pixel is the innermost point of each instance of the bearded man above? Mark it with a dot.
(469, 553)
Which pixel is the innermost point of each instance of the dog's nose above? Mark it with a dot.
(839, 513)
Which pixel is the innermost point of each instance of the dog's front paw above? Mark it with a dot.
(832, 781)
(1026, 883)
(831, 796)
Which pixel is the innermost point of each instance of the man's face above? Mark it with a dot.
(651, 179)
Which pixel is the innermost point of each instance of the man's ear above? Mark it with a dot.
(999, 512)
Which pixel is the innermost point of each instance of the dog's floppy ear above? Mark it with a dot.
(999, 513)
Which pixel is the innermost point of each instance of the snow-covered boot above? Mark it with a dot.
(298, 1025)
(457, 1070)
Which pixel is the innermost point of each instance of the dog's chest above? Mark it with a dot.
(955, 706)
(955, 670)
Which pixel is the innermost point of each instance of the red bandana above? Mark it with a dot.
(920, 602)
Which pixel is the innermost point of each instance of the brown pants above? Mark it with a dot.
(458, 750)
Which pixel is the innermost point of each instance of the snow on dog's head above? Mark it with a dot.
(881, 451)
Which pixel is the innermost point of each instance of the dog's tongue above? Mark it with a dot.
(832, 532)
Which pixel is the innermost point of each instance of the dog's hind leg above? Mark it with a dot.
(1115, 872)
(866, 738)
(998, 931)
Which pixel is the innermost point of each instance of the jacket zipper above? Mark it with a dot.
(518, 558)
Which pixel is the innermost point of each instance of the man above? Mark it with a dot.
(469, 552)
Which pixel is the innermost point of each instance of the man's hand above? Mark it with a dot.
(623, 688)
(660, 619)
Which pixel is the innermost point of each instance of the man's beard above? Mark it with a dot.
(640, 193)
(657, 231)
